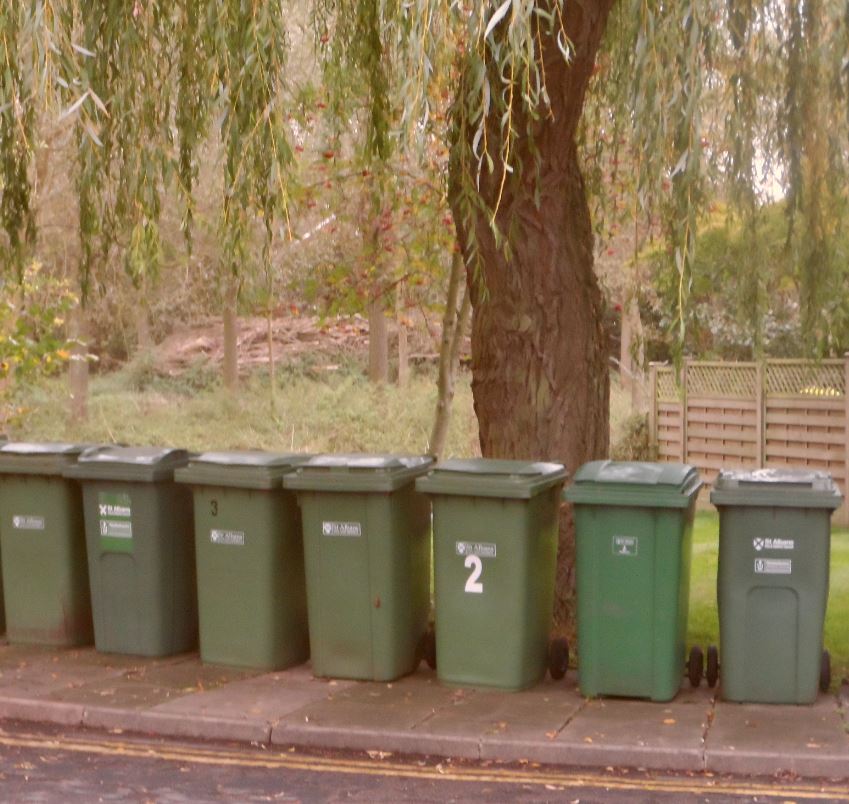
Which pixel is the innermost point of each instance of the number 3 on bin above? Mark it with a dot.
(475, 564)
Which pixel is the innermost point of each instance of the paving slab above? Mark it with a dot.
(769, 739)
(625, 733)
(367, 716)
(268, 697)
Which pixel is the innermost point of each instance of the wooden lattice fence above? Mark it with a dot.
(748, 415)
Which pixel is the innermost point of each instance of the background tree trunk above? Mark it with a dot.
(230, 368)
(403, 341)
(378, 341)
(78, 365)
(453, 326)
(539, 352)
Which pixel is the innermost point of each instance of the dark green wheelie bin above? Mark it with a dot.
(367, 559)
(495, 526)
(42, 542)
(250, 559)
(141, 557)
(772, 582)
(633, 545)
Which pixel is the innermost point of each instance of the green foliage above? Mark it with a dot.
(633, 443)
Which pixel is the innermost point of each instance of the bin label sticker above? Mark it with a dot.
(773, 566)
(626, 545)
(349, 529)
(480, 549)
(26, 522)
(773, 544)
(115, 522)
(233, 537)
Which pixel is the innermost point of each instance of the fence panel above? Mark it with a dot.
(791, 413)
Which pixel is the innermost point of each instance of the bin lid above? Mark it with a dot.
(634, 483)
(357, 472)
(40, 458)
(787, 488)
(245, 469)
(133, 464)
(492, 477)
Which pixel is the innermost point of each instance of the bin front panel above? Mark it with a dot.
(250, 565)
(141, 567)
(772, 588)
(633, 571)
(494, 567)
(45, 575)
(367, 573)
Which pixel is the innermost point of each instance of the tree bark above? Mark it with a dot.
(230, 368)
(78, 365)
(539, 360)
(453, 326)
(403, 341)
(378, 341)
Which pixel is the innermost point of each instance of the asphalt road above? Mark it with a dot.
(54, 765)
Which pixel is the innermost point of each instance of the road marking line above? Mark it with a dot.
(406, 769)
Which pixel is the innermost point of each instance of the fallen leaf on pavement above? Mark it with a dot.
(379, 754)
(670, 721)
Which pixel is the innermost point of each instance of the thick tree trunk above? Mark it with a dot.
(539, 361)
(230, 369)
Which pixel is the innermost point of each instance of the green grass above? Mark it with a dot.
(341, 412)
(703, 628)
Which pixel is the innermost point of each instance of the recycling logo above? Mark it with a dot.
(758, 544)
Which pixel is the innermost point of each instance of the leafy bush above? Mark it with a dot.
(634, 443)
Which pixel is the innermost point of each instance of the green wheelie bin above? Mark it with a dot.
(367, 561)
(42, 542)
(495, 525)
(140, 541)
(633, 544)
(772, 583)
(250, 559)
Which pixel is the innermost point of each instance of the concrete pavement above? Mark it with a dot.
(550, 723)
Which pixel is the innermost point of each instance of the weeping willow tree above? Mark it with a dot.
(740, 100)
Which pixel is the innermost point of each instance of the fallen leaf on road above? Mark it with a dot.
(670, 721)
(588, 739)
(551, 734)
(812, 745)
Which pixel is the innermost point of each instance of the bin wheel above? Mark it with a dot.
(695, 666)
(825, 671)
(558, 658)
(429, 647)
(712, 671)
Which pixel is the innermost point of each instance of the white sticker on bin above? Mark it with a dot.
(626, 545)
(350, 529)
(773, 566)
(233, 537)
(480, 549)
(773, 544)
(22, 522)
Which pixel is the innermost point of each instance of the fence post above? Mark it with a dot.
(844, 514)
(653, 406)
(684, 410)
(760, 412)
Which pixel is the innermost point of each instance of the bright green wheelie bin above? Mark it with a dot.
(772, 582)
(495, 525)
(250, 559)
(42, 541)
(633, 543)
(140, 541)
(367, 560)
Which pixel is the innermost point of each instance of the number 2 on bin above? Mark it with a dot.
(475, 564)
